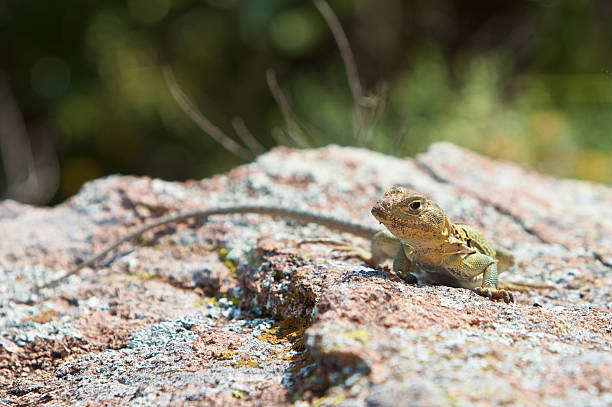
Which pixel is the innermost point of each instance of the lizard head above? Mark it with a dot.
(411, 217)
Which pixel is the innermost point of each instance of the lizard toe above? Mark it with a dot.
(484, 292)
(408, 277)
(495, 294)
(508, 297)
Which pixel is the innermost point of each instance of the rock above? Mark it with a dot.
(233, 311)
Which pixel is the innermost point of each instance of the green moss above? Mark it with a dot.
(238, 394)
(222, 253)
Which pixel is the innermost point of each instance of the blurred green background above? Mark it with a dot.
(82, 93)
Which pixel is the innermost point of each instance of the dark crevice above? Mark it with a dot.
(311, 374)
(430, 171)
(601, 259)
(516, 219)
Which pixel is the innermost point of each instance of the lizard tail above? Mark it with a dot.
(524, 287)
(292, 214)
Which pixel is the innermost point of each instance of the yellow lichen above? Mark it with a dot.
(250, 363)
(145, 276)
(331, 348)
(43, 317)
(338, 399)
(229, 355)
(560, 327)
(212, 301)
(359, 335)
(289, 330)
(236, 302)
(319, 402)
(222, 253)
(298, 298)
(238, 394)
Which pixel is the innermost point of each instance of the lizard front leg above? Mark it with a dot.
(384, 245)
(403, 263)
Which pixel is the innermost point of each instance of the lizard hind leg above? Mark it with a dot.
(474, 265)
(490, 289)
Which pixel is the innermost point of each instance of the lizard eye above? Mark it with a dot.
(415, 205)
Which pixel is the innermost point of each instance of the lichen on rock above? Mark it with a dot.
(234, 311)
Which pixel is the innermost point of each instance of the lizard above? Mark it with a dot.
(418, 236)
(425, 240)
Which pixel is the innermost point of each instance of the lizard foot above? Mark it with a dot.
(409, 278)
(348, 250)
(495, 294)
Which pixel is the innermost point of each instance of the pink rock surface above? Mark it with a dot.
(232, 311)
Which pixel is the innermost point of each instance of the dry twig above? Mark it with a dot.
(301, 137)
(349, 64)
(204, 124)
(247, 137)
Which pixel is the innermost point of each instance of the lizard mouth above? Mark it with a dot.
(384, 216)
(379, 214)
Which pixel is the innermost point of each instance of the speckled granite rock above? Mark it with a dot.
(233, 312)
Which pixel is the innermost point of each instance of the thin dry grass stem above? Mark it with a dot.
(280, 136)
(297, 132)
(344, 47)
(399, 140)
(31, 172)
(378, 107)
(247, 137)
(202, 122)
(348, 59)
